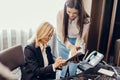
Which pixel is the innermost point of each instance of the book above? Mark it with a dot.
(79, 56)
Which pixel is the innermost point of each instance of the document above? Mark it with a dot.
(79, 55)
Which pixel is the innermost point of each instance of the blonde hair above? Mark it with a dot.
(43, 30)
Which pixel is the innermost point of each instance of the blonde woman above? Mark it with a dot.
(40, 64)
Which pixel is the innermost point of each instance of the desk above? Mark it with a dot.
(92, 74)
(89, 77)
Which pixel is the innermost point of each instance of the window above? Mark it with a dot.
(28, 13)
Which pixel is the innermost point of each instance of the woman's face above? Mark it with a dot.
(72, 13)
(46, 39)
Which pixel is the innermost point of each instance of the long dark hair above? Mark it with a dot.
(82, 15)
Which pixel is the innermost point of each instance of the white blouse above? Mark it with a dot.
(73, 31)
(43, 49)
(45, 59)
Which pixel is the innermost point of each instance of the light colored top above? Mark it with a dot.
(73, 31)
(45, 59)
(43, 49)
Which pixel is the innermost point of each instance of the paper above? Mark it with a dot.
(106, 72)
(80, 51)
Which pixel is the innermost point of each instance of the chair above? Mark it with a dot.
(117, 52)
(118, 59)
(12, 57)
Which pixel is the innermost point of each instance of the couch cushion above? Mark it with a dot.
(12, 57)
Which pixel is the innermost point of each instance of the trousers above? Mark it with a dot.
(64, 52)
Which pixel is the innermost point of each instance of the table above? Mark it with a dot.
(92, 74)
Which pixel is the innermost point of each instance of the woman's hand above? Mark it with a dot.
(59, 63)
(64, 62)
(74, 50)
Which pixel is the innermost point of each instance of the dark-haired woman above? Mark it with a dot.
(72, 31)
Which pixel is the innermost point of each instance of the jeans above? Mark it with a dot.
(64, 52)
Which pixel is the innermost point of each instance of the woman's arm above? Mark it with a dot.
(59, 29)
(82, 42)
(86, 34)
